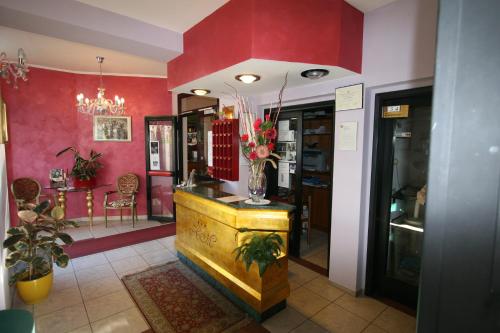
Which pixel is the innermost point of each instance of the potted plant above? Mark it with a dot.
(263, 249)
(33, 247)
(84, 170)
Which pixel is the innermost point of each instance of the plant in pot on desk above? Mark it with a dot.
(84, 170)
(257, 143)
(33, 248)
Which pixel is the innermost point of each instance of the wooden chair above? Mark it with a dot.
(25, 191)
(126, 189)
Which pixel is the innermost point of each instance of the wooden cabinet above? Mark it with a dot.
(225, 149)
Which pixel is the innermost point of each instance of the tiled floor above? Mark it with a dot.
(88, 296)
(114, 227)
(316, 251)
(315, 305)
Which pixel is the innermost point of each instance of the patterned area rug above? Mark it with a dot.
(173, 299)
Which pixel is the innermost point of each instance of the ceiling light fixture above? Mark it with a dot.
(100, 105)
(247, 78)
(200, 92)
(12, 69)
(315, 73)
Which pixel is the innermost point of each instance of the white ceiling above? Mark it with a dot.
(176, 15)
(77, 53)
(272, 77)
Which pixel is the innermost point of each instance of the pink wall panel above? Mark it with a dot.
(325, 32)
(298, 31)
(42, 120)
(221, 40)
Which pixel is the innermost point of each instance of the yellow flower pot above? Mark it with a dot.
(34, 291)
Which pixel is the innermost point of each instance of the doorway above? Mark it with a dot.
(398, 194)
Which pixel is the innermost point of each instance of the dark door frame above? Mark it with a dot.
(375, 249)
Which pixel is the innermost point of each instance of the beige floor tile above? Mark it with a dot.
(89, 261)
(64, 320)
(306, 302)
(322, 286)
(309, 327)
(147, 247)
(83, 329)
(395, 321)
(101, 287)
(95, 273)
(299, 274)
(294, 285)
(121, 253)
(374, 329)
(64, 281)
(129, 264)
(59, 270)
(133, 271)
(365, 307)
(102, 231)
(158, 257)
(58, 300)
(130, 321)
(105, 306)
(284, 321)
(169, 243)
(336, 319)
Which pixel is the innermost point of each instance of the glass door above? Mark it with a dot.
(161, 166)
(401, 188)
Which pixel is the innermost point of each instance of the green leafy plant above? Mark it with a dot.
(83, 169)
(33, 244)
(263, 249)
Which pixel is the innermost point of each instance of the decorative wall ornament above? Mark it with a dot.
(101, 105)
(11, 70)
(112, 128)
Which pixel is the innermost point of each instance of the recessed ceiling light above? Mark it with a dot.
(315, 73)
(200, 92)
(247, 78)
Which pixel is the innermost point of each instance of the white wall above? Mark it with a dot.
(398, 53)
(5, 297)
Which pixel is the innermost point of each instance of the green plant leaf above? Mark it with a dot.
(64, 237)
(10, 241)
(42, 207)
(15, 231)
(62, 260)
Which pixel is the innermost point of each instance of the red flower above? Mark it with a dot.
(270, 146)
(268, 117)
(257, 123)
(262, 151)
(252, 155)
(271, 134)
(251, 144)
(244, 137)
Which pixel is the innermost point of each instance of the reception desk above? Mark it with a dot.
(207, 234)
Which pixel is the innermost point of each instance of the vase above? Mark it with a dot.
(257, 183)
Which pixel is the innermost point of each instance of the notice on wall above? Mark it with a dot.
(154, 155)
(349, 98)
(210, 155)
(284, 174)
(348, 133)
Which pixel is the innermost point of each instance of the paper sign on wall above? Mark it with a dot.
(284, 174)
(210, 154)
(349, 98)
(348, 132)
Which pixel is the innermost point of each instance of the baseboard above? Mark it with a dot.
(110, 218)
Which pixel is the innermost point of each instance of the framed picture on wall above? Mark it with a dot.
(112, 128)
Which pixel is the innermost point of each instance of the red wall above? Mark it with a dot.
(323, 32)
(42, 120)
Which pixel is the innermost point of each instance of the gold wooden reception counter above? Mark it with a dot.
(207, 234)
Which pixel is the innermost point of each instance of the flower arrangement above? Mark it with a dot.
(257, 141)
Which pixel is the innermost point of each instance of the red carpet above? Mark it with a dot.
(95, 245)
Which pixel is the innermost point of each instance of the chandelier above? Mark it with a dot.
(101, 105)
(12, 71)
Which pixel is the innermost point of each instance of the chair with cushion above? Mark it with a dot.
(126, 189)
(25, 191)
